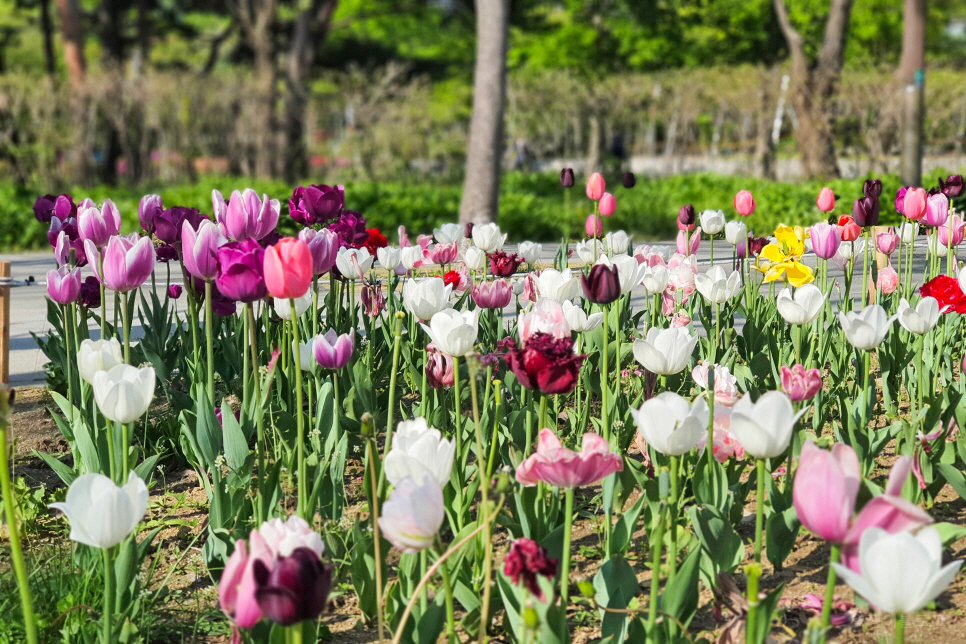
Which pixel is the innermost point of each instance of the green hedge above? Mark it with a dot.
(532, 206)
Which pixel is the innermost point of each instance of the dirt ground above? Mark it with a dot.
(180, 503)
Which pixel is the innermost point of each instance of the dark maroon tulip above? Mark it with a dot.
(952, 186)
(270, 239)
(865, 211)
(221, 305)
(524, 561)
(240, 275)
(602, 285)
(90, 293)
(545, 364)
(872, 188)
(504, 264)
(165, 252)
(44, 208)
(316, 204)
(628, 180)
(167, 225)
(468, 232)
(149, 209)
(296, 588)
(174, 291)
(686, 215)
(351, 228)
(756, 245)
(900, 198)
(567, 177)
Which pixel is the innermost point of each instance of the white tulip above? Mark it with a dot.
(343, 261)
(517, 284)
(103, 514)
(453, 332)
(389, 257)
(98, 355)
(124, 393)
(665, 351)
(736, 232)
(670, 425)
(629, 271)
(529, 251)
(919, 320)
(588, 251)
(908, 231)
(474, 258)
(617, 242)
(901, 572)
(654, 278)
(865, 329)
(419, 450)
(282, 538)
(449, 233)
(302, 304)
(935, 247)
(411, 257)
(764, 428)
(306, 355)
(579, 321)
(557, 285)
(413, 514)
(426, 297)
(716, 286)
(488, 238)
(546, 316)
(848, 250)
(803, 306)
(712, 221)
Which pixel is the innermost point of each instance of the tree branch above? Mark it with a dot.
(833, 44)
(792, 37)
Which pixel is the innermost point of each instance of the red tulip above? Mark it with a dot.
(546, 364)
(947, 292)
(524, 561)
(288, 268)
(848, 229)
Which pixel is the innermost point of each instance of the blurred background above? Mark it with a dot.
(698, 97)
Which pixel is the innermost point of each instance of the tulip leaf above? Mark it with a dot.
(207, 431)
(236, 445)
(721, 547)
(781, 530)
(954, 477)
(65, 474)
(615, 585)
(680, 596)
(620, 539)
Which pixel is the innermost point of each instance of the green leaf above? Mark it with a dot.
(721, 547)
(781, 530)
(616, 585)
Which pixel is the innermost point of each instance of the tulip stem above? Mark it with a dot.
(655, 541)
(864, 293)
(303, 510)
(759, 508)
(397, 340)
(372, 450)
(753, 572)
(482, 472)
(457, 433)
(257, 393)
(126, 330)
(423, 409)
(124, 452)
(448, 590)
(108, 595)
(542, 417)
(100, 273)
(69, 372)
(829, 588)
(565, 563)
(672, 555)
(494, 439)
(900, 628)
(605, 428)
(293, 634)
(209, 343)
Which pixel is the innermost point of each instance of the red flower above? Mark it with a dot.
(451, 278)
(375, 240)
(504, 264)
(545, 364)
(848, 229)
(947, 292)
(524, 561)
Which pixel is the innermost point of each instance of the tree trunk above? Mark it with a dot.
(257, 18)
(72, 36)
(110, 22)
(814, 84)
(47, 30)
(481, 185)
(911, 77)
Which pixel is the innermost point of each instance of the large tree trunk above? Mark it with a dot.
(481, 186)
(110, 22)
(47, 30)
(814, 84)
(72, 37)
(257, 17)
(911, 77)
(311, 28)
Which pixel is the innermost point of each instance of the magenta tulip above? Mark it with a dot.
(332, 351)
(149, 209)
(128, 262)
(558, 466)
(825, 240)
(63, 284)
(316, 204)
(492, 295)
(324, 248)
(246, 216)
(240, 276)
(606, 205)
(169, 225)
(800, 383)
(199, 249)
(826, 486)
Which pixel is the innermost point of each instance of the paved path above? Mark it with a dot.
(29, 307)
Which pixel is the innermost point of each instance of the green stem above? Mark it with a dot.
(396, 342)
(864, 293)
(900, 628)
(829, 588)
(565, 563)
(124, 452)
(672, 557)
(257, 393)
(210, 344)
(484, 510)
(759, 508)
(423, 407)
(753, 572)
(68, 323)
(603, 379)
(293, 634)
(542, 416)
(655, 542)
(457, 434)
(377, 546)
(496, 427)
(303, 500)
(108, 595)
(100, 271)
(127, 330)
(448, 590)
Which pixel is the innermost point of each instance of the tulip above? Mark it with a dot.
(98, 226)
(90, 293)
(413, 514)
(323, 246)
(149, 209)
(866, 329)
(546, 316)
(199, 249)
(349, 259)
(488, 238)
(899, 573)
(284, 309)
(654, 279)
(426, 297)
(169, 225)
(388, 257)
(63, 284)
(616, 242)
(128, 262)
(849, 229)
(688, 245)
(948, 291)
(246, 216)
(103, 514)
(98, 355)
(937, 210)
(669, 424)
(825, 240)
(712, 222)
(165, 253)
(900, 199)
(744, 203)
(934, 247)
(529, 251)
(803, 307)
(524, 561)
(952, 187)
(825, 200)
(629, 271)
(558, 466)
(908, 231)
(545, 364)
(595, 186)
(288, 268)
(588, 251)
(567, 178)
(602, 284)
(593, 226)
(124, 393)
(825, 489)
(62, 248)
(686, 217)
(606, 205)
(578, 320)
(439, 368)
(240, 271)
(316, 204)
(332, 351)
(561, 286)
(914, 204)
(716, 286)
(888, 280)
(283, 537)
(448, 233)
(442, 254)
(294, 589)
(350, 227)
(919, 320)
(951, 233)
(725, 384)
(872, 188)
(174, 291)
(492, 295)
(887, 241)
(865, 212)
(418, 451)
(474, 258)
(44, 208)
(800, 383)
(454, 332)
(764, 428)
(665, 351)
(504, 264)
(736, 232)
(850, 250)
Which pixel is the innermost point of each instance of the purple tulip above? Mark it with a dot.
(351, 228)
(602, 284)
(169, 225)
(89, 295)
(174, 291)
(324, 246)
(294, 589)
(952, 187)
(149, 209)
(492, 295)
(900, 199)
(865, 211)
(240, 276)
(567, 178)
(686, 216)
(199, 248)
(316, 204)
(44, 208)
(825, 240)
(872, 188)
(98, 226)
(246, 216)
(221, 305)
(63, 284)
(165, 253)
(332, 351)
(128, 262)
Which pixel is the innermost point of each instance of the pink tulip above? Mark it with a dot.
(606, 205)
(937, 209)
(324, 248)
(914, 204)
(403, 237)
(442, 254)
(246, 216)
(595, 186)
(128, 262)
(888, 511)
(887, 241)
(825, 488)
(423, 241)
(492, 295)
(332, 351)
(560, 467)
(593, 226)
(800, 383)
(888, 280)
(825, 240)
(98, 226)
(288, 268)
(546, 316)
(825, 200)
(198, 249)
(689, 245)
(63, 284)
(744, 203)
(955, 224)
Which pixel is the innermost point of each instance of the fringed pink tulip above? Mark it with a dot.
(560, 467)
(826, 486)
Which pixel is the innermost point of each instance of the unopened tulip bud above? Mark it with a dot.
(567, 177)
(825, 200)
(606, 205)
(594, 227)
(686, 216)
(628, 180)
(595, 186)
(872, 188)
(744, 203)
(366, 425)
(952, 187)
